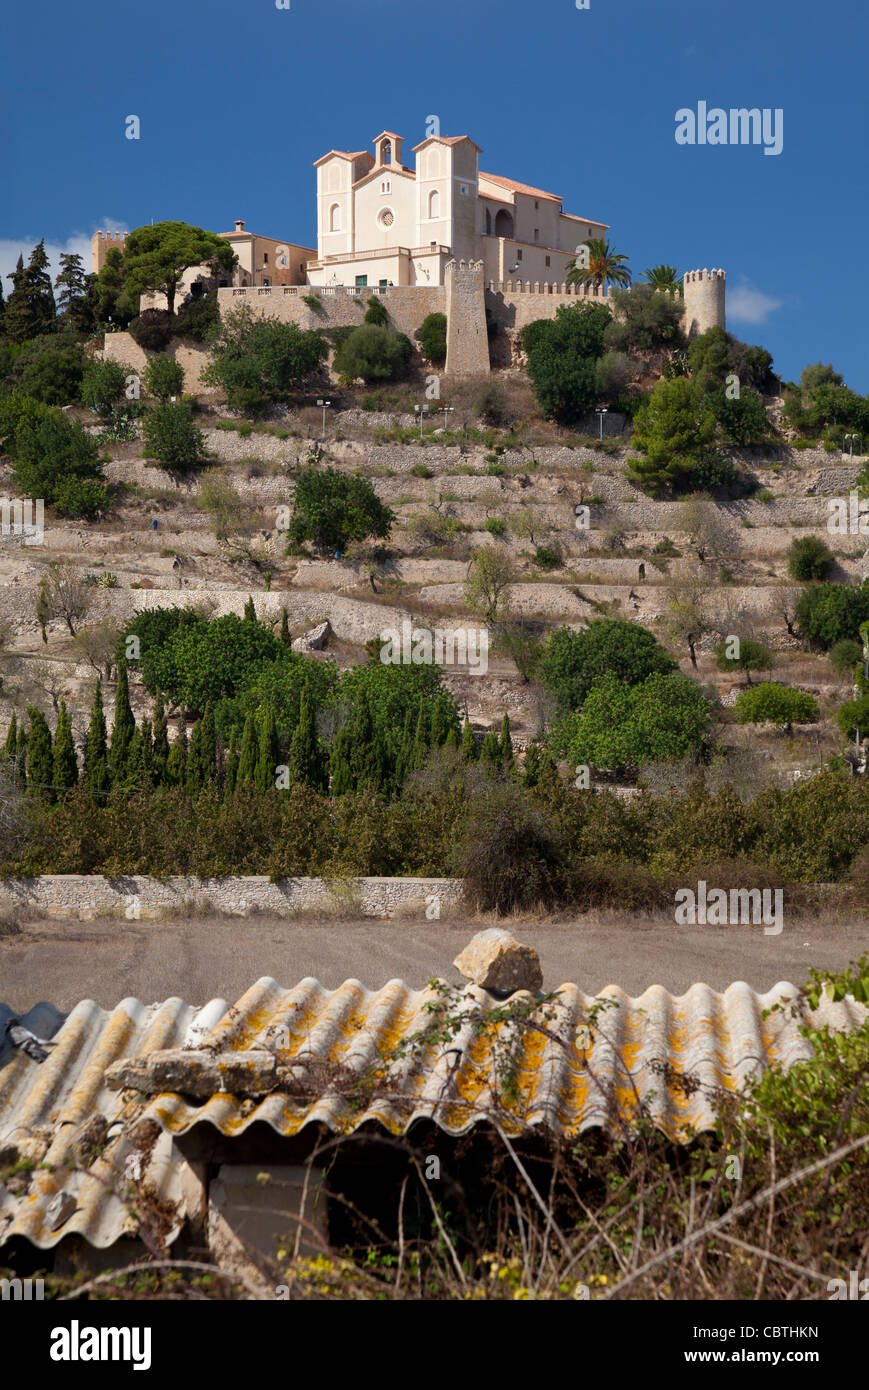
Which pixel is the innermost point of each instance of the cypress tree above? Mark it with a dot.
(160, 754)
(404, 755)
(531, 770)
(249, 610)
(231, 773)
(247, 756)
(40, 763)
(469, 743)
(65, 766)
(193, 776)
(305, 760)
(176, 763)
(490, 751)
(452, 738)
(367, 757)
(285, 629)
(420, 738)
(440, 723)
(123, 728)
(341, 779)
(208, 748)
(96, 762)
(147, 752)
(134, 779)
(11, 744)
(505, 743)
(21, 756)
(268, 755)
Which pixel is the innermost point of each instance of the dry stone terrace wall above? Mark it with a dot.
(85, 896)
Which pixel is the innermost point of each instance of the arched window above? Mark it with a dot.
(434, 203)
(504, 224)
(335, 218)
(387, 151)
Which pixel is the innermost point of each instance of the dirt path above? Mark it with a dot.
(204, 958)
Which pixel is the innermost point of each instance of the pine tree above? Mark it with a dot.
(160, 755)
(31, 310)
(505, 743)
(40, 764)
(65, 765)
(268, 754)
(305, 760)
(469, 743)
(72, 302)
(123, 728)
(249, 610)
(96, 761)
(231, 773)
(285, 629)
(176, 763)
(247, 756)
(452, 738)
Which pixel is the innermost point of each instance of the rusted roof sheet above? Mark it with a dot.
(353, 1056)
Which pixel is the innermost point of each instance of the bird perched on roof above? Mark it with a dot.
(23, 1040)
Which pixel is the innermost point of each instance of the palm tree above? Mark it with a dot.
(663, 277)
(605, 267)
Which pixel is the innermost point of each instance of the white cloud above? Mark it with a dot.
(77, 243)
(750, 305)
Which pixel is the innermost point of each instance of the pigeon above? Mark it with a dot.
(25, 1041)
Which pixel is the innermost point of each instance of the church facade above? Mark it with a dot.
(383, 223)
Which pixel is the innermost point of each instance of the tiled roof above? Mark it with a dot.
(349, 1057)
(516, 187)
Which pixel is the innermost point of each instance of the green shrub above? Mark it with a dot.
(332, 509)
(312, 300)
(622, 727)
(491, 404)
(171, 437)
(809, 558)
(495, 526)
(573, 661)
(373, 353)
(828, 612)
(164, 377)
(421, 470)
(547, 557)
(152, 330)
(57, 461)
(376, 313)
(562, 359)
(854, 714)
(844, 655)
(49, 369)
(197, 317)
(103, 385)
(769, 703)
(432, 338)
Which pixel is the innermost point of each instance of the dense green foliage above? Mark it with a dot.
(562, 356)
(156, 256)
(644, 320)
(164, 377)
(573, 661)
(674, 432)
(621, 727)
(809, 558)
(171, 436)
(332, 508)
(828, 612)
(373, 352)
(49, 369)
(432, 338)
(56, 460)
(775, 704)
(260, 361)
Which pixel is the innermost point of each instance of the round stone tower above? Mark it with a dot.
(704, 301)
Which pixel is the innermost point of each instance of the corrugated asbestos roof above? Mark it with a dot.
(357, 1056)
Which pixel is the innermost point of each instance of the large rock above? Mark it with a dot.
(314, 640)
(494, 960)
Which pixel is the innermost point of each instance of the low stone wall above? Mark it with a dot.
(85, 896)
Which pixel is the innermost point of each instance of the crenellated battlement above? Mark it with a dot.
(695, 275)
(101, 243)
(704, 300)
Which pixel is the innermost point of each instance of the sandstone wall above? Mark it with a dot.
(85, 896)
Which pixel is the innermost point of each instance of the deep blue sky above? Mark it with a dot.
(237, 99)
